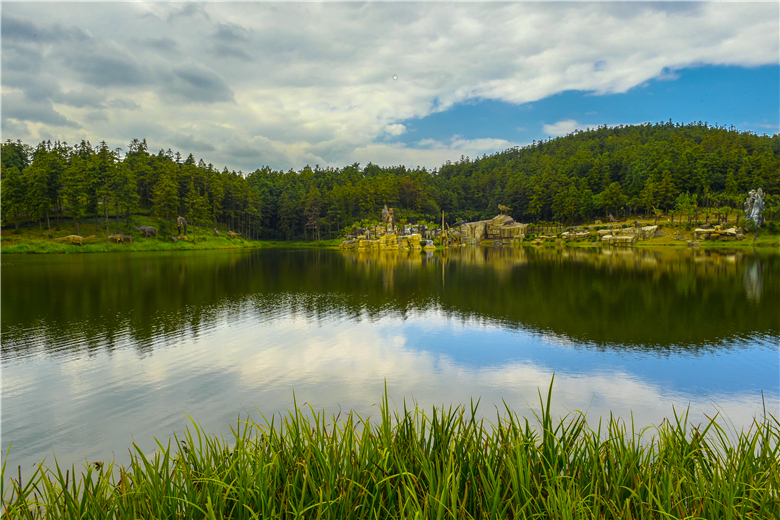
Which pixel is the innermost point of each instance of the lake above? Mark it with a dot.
(101, 350)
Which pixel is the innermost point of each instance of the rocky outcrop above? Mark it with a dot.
(717, 234)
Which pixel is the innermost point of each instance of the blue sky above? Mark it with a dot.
(748, 98)
(250, 84)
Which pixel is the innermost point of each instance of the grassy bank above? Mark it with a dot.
(679, 238)
(413, 465)
(98, 245)
(35, 239)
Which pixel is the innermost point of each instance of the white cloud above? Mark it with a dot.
(428, 152)
(562, 127)
(316, 79)
(395, 129)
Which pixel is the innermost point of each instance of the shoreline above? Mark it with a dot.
(11, 246)
(33, 241)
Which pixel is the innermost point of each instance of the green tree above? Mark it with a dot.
(14, 155)
(667, 191)
(312, 210)
(14, 193)
(647, 197)
(200, 210)
(75, 189)
(587, 204)
(288, 214)
(166, 195)
(612, 199)
(571, 204)
(37, 199)
(126, 192)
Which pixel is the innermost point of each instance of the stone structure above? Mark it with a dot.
(627, 236)
(754, 205)
(181, 221)
(619, 240)
(574, 235)
(717, 234)
(500, 227)
(388, 217)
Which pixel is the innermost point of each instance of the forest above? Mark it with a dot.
(626, 171)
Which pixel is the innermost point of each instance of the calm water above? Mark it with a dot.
(100, 350)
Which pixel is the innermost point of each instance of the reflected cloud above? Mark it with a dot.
(328, 367)
(89, 368)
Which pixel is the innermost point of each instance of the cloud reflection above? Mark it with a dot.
(327, 367)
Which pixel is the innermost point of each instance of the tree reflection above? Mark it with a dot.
(604, 298)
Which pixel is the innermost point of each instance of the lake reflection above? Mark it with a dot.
(97, 348)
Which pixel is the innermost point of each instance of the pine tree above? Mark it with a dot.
(166, 196)
(75, 189)
(14, 193)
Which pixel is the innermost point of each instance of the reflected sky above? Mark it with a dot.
(252, 349)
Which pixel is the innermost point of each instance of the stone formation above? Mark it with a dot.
(754, 205)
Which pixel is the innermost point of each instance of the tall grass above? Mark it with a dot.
(409, 464)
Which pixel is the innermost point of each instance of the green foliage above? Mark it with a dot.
(748, 225)
(622, 170)
(14, 193)
(411, 464)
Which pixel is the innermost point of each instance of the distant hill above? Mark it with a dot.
(623, 170)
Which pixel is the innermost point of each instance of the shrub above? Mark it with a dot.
(748, 225)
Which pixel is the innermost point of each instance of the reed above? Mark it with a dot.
(409, 464)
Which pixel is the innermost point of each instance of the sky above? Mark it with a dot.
(247, 85)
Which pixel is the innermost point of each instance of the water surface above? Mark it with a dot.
(99, 350)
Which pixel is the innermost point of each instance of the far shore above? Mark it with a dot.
(33, 240)
(13, 245)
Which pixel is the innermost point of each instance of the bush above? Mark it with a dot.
(772, 227)
(748, 225)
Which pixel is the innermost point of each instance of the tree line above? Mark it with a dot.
(625, 171)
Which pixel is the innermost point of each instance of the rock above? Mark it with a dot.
(649, 232)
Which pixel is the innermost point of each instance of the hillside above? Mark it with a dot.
(625, 170)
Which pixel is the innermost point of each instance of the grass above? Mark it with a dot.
(446, 464)
(98, 245)
(34, 241)
(31, 239)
